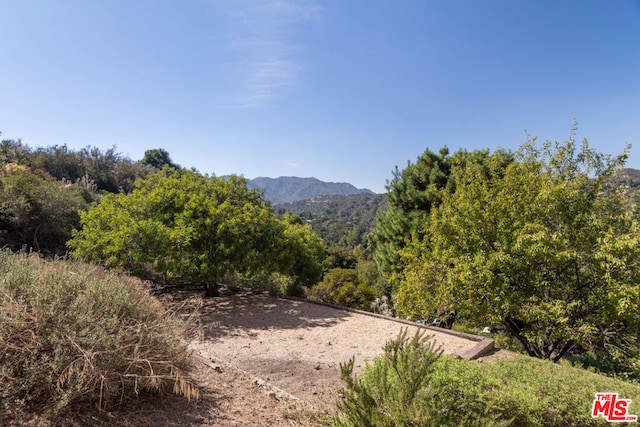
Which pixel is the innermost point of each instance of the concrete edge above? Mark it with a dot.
(394, 319)
(484, 347)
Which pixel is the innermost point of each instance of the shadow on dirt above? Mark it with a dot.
(241, 313)
(235, 314)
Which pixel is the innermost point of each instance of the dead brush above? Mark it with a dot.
(74, 334)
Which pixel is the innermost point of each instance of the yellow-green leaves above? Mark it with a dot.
(194, 228)
(537, 248)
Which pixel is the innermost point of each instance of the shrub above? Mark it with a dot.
(72, 333)
(389, 390)
(412, 385)
(534, 392)
(37, 213)
(342, 286)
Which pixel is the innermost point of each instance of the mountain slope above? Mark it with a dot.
(340, 220)
(292, 189)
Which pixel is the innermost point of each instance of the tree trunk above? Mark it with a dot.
(211, 290)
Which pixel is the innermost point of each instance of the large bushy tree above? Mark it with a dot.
(195, 228)
(158, 158)
(412, 194)
(538, 248)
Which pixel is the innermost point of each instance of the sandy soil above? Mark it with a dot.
(298, 346)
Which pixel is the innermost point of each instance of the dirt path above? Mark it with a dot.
(298, 346)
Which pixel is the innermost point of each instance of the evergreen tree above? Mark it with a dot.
(412, 194)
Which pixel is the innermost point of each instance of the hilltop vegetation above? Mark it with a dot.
(345, 221)
(541, 244)
(43, 190)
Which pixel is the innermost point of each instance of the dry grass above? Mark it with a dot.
(74, 334)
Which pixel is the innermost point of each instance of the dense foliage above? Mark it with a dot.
(195, 228)
(412, 385)
(42, 190)
(72, 334)
(158, 158)
(104, 171)
(342, 221)
(412, 194)
(343, 287)
(538, 249)
(37, 212)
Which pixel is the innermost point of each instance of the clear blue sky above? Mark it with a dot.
(343, 90)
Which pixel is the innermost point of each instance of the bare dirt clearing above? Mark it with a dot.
(298, 346)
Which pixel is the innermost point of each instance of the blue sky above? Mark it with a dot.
(343, 90)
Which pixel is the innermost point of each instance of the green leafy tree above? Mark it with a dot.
(299, 252)
(339, 257)
(36, 213)
(412, 194)
(193, 228)
(538, 249)
(13, 151)
(158, 158)
(127, 172)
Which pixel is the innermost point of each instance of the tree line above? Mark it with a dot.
(43, 190)
(538, 244)
(150, 217)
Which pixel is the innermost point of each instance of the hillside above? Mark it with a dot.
(629, 175)
(630, 180)
(288, 189)
(339, 219)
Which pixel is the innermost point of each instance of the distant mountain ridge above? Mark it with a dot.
(289, 189)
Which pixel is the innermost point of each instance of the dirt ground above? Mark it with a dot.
(298, 346)
(263, 361)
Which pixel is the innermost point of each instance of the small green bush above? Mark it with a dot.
(412, 386)
(342, 286)
(72, 333)
(389, 391)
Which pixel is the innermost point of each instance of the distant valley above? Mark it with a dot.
(339, 212)
(344, 215)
